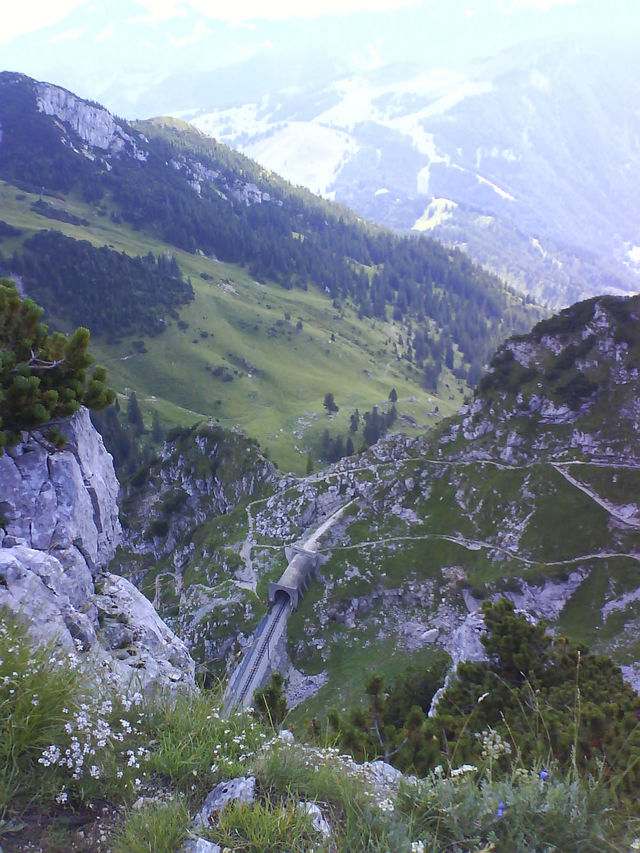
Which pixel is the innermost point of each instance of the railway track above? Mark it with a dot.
(241, 694)
(252, 671)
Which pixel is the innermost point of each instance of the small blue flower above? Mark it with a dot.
(544, 775)
(500, 811)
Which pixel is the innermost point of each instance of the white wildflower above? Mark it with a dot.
(465, 768)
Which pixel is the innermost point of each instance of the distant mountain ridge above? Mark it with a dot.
(529, 161)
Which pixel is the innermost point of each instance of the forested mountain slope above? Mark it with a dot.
(198, 195)
(260, 290)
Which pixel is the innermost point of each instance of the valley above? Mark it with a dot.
(426, 541)
(360, 484)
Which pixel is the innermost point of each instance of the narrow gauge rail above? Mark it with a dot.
(284, 597)
(248, 680)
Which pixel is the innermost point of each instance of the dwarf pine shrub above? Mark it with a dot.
(536, 810)
(536, 697)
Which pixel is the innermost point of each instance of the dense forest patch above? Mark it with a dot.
(111, 292)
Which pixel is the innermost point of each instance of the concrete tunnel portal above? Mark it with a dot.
(295, 579)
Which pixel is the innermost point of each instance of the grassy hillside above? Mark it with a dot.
(233, 354)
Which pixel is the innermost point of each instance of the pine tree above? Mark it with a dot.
(337, 450)
(157, 433)
(134, 415)
(43, 377)
(330, 403)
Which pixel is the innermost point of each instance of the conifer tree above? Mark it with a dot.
(330, 403)
(134, 415)
(157, 433)
(43, 377)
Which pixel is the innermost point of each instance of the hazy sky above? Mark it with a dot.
(111, 50)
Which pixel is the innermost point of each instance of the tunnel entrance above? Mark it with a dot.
(296, 577)
(282, 597)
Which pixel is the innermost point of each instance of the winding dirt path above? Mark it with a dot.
(470, 544)
(478, 545)
(248, 545)
(608, 507)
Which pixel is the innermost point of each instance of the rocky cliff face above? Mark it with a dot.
(568, 390)
(203, 472)
(63, 503)
(59, 528)
(92, 123)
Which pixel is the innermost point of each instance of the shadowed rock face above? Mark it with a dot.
(63, 502)
(60, 528)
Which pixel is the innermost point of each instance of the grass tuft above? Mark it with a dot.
(155, 828)
(265, 827)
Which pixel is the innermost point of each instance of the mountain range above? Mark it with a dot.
(230, 291)
(528, 160)
(173, 226)
(214, 287)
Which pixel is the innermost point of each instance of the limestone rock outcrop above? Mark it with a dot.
(92, 123)
(59, 528)
(64, 501)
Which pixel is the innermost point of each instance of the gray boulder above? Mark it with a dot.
(318, 821)
(35, 587)
(200, 845)
(242, 789)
